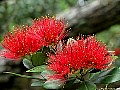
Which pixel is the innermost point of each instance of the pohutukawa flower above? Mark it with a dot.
(117, 51)
(49, 29)
(80, 54)
(19, 43)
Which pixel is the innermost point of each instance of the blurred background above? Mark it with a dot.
(88, 17)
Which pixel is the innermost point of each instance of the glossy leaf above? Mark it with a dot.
(37, 69)
(53, 84)
(38, 58)
(117, 62)
(27, 63)
(109, 76)
(70, 83)
(37, 83)
(94, 76)
(46, 73)
(87, 86)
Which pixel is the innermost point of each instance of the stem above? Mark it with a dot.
(23, 76)
(106, 86)
(84, 74)
(52, 49)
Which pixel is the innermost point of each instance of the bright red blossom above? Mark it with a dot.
(29, 39)
(117, 51)
(50, 30)
(19, 43)
(81, 54)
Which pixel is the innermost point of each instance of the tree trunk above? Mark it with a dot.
(93, 17)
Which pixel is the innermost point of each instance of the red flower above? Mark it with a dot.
(49, 29)
(117, 51)
(27, 40)
(81, 54)
(20, 43)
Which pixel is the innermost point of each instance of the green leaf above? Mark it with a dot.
(23, 76)
(69, 84)
(94, 76)
(109, 76)
(77, 81)
(38, 58)
(27, 63)
(87, 86)
(117, 62)
(37, 83)
(46, 73)
(37, 69)
(53, 84)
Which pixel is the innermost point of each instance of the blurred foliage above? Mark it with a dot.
(19, 12)
(111, 37)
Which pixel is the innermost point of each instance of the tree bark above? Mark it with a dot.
(93, 17)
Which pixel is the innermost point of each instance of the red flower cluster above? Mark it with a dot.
(81, 54)
(117, 51)
(49, 30)
(29, 39)
(19, 43)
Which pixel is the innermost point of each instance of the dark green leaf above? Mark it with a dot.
(37, 69)
(38, 58)
(109, 76)
(53, 84)
(69, 84)
(37, 83)
(87, 86)
(95, 76)
(117, 62)
(27, 63)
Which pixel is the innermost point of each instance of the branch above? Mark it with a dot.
(93, 17)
